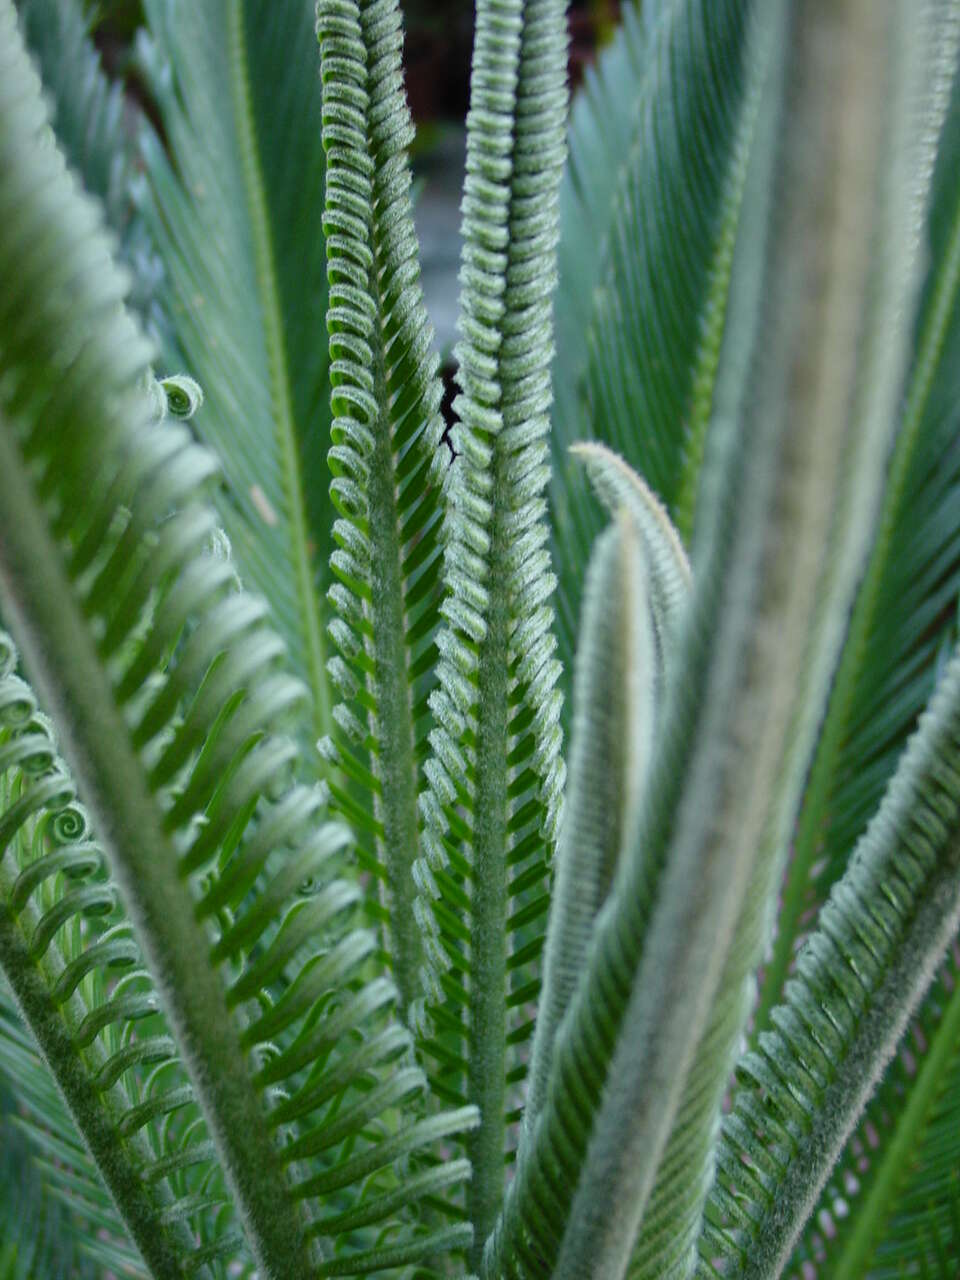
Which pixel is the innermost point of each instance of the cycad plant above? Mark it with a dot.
(317, 960)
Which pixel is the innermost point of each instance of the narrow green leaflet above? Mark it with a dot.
(236, 213)
(37, 1236)
(495, 773)
(170, 693)
(385, 458)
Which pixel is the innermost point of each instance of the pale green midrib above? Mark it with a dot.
(394, 761)
(55, 638)
(278, 366)
(707, 360)
(163, 1246)
(870, 1216)
(861, 624)
(488, 941)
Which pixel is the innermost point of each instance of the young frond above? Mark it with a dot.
(169, 689)
(495, 774)
(79, 979)
(385, 458)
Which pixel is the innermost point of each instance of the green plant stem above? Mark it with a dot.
(280, 390)
(488, 933)
(833, 735)
(59, 652)
(396, 763)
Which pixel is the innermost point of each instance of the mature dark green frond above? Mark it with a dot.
(496, 774)
(385, 458)
(880, 936)
(905, 612)
(99, 129)
(892, 1204)
(650, 207)
(169, 691)
(236, 213)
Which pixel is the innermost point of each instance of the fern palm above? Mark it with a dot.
(407, 999)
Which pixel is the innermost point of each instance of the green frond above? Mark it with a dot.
(857, 980)
(99, 128)
(617, 485)
(44, 1158)
(619, 680)
(385, 458)
(64, 947)
(38, 1237)
(168, 689)
(236, 211)
(650, 207)
(903, 620)
(642, 1058)
(495, 774)
(892, 1200)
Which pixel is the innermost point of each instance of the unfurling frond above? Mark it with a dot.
(63, 943)
(170, 693)
(495, 775)
(385, 459)
(615, 710)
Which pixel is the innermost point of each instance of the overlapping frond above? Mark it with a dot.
(650, 207)
(78, 977)
(236, 211)
(878, 942)
(387, 466)
(495, 773)
(169, 690)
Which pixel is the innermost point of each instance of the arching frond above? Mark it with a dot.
(169, 691)
(236, 211)
(495, 774)
(385, 458)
